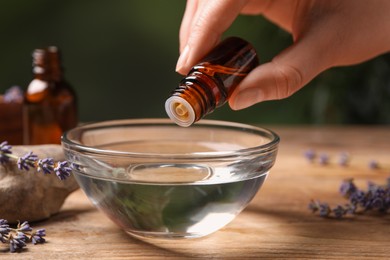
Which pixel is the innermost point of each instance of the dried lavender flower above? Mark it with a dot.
(24, 227)
(37, 237)
(4, 230)
(5, 149)
(26, 161)
(324, 209)
(310, 155)
(347, 188)
(30, 160)
(75, 166)
(344, 159)
(45, 165)
(62, 170)
(17, 238)
(324, 159)
(314, 205)
(373, 165)
(375, 198)
(339, 211)
(17, 243)
(357, 198)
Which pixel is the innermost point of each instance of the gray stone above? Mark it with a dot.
(31, 195)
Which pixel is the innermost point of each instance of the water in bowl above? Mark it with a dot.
(189, 200)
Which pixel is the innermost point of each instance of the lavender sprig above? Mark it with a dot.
(375, 198)
(17, 238)
(47, 165)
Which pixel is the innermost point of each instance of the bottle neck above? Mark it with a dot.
(56, 69)
(211, 82)
(197, 95)
(41, 64)
(47, 64)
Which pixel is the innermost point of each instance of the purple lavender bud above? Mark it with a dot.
(22, 236)
(344, 159)
(3, 238)
(324, 210)
(37, 240)
(4, 228)
(75, 166)
(371, 186)
(373, 165)
(5, 149)
(41, 232)
(37, 237)
(350, 208)
(378, 203)
(313, 206)
(25, 227)
(62, 170)
(310, 155)
(12, 246)
(380, 192)
(46, 165)
(339, 211)
(27, 160)
(3, 223)
(358, 198)
(378, 200)
(17, 242)
(347, 188)
(324, 159)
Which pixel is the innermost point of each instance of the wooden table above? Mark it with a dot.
(277, 223)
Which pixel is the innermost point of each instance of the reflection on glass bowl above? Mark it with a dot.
(156, 179)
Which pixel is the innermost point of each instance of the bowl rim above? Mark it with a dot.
(270, 146)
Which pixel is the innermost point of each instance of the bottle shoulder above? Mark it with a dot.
(41, 90)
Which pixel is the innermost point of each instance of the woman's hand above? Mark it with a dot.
(326, 33)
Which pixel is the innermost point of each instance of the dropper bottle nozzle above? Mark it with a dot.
(210, 83)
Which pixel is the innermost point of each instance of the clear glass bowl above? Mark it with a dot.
(156, 179)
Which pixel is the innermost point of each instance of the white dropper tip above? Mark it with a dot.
(180, 111)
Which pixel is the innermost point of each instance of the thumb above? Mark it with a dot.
(284, 75)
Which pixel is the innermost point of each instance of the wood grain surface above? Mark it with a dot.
(276, 224)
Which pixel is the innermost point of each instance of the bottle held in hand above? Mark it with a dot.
(210, 83)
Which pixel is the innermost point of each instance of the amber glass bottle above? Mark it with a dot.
(210, 83)
(50, 106)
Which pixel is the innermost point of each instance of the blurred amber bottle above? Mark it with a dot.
(210, 83)
(50, 106)
(11, 111)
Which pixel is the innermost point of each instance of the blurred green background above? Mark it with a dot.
(120, 57)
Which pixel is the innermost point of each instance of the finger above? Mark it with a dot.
(189, 13)
(207, 26)
(285, 74)
(280, 12)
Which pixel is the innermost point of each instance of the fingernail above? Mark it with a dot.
(247, 98)
(181, 63)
